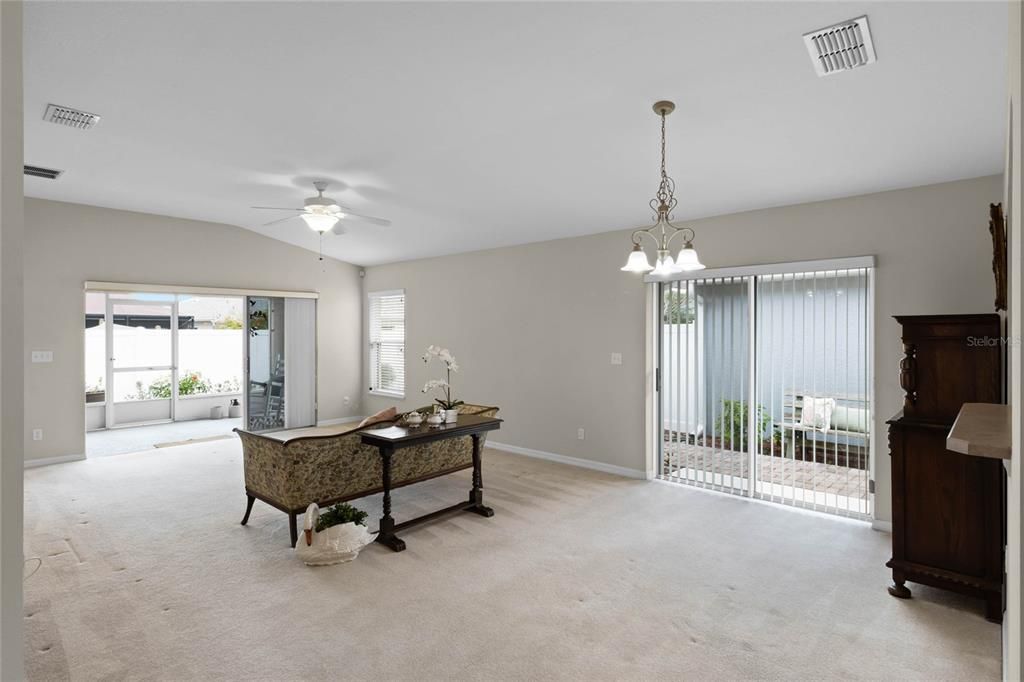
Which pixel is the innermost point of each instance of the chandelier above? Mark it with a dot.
(663, 231)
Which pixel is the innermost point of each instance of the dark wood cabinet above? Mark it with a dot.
(948, 508)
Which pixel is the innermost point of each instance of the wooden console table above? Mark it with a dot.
(397, 437)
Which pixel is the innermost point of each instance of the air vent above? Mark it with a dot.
(40, 172)
(67, 116)
(842, 47)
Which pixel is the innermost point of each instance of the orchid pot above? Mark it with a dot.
(448, 405)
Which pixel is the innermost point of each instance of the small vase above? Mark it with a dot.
(451, 416)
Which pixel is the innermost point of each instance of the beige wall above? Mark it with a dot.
(68, 244)
(533, 326)
(11, 368)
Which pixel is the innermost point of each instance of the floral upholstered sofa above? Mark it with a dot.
(290, 471)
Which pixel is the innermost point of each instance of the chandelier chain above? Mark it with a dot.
(664, 175)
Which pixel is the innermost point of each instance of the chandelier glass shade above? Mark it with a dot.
(663, 231)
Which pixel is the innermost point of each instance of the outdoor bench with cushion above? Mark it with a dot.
(289, 472)
(836, 419)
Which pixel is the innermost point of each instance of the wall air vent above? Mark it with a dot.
(40, 172)
(70, 117)
(841, 47)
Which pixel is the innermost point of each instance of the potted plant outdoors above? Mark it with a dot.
(94, 393)
(333, 537)
(450, 407)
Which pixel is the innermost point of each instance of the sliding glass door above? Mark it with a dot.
(765, 385)
(155, 357)
(141, 367)
(281, 368)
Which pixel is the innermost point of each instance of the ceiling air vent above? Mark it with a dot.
(70, 117)
(841, 47)
(40, 172)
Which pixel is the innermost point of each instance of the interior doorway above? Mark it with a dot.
(161, 368)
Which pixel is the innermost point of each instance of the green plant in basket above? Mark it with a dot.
(339, 514)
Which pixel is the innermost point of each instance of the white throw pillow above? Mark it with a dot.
(816, 413)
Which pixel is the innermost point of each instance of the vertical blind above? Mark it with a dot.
(813, 356)
(387, 342)
(299, 362)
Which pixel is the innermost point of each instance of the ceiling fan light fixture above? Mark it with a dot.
(322, 214)
(320, 222)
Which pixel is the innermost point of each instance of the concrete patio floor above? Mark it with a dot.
(120, 441)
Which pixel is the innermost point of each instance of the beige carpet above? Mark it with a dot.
(146, 574)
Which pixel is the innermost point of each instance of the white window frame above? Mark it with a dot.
(371, 390)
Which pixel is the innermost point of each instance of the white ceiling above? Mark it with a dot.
(476, 125)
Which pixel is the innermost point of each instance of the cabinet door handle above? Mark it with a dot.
(908, 374)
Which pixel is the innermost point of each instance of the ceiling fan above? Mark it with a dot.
(323, 214)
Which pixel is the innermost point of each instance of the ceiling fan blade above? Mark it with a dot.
(278, 208)
(365, 218)
(280, 220)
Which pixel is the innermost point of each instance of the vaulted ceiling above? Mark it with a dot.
(477, 125)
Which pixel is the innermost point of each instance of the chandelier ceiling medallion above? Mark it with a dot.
(663, 231)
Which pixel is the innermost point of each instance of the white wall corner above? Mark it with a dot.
(571, 461)
(882, 526)
(12, 342)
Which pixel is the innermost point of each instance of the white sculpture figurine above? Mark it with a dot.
(333, 545)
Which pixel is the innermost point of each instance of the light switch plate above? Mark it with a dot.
(616, 358)
(37, 434)
(42, 356)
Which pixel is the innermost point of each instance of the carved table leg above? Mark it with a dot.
(899, 588)
(476, 495)
(386, 535)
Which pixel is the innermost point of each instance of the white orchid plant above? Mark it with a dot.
(444, 385)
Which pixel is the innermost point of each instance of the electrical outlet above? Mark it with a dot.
(616, 358)
(580, 434)
(42, 356)
(347, 400)
(37, 434)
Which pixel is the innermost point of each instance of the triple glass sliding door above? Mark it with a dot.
(765, 388)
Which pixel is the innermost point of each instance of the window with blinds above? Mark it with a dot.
(387, 343)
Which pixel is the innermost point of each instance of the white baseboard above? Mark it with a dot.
(47, 461)
(339, 420)
(883, 526)
(571, 461)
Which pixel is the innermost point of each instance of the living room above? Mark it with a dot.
(726, 460)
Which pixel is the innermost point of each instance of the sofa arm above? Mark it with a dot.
(262, 460)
